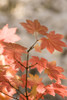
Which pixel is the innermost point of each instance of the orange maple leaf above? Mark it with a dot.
(54, 72)
(37, 48)
(53, 42)
(60, 89)
(41, 63)
(34, 26)
(41, 88)
(12, 77)
(34, 80)
(10, 49)
(5, 94)
(52, 89)
(11, 53)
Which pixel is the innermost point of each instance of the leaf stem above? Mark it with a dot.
(9, 95)
(32, 65)
(32, 46)
(20, 63)
(27, 74)
(15, 88)
(29, 66)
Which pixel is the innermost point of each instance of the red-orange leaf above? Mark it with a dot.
(12, 47)
(34, 80)
(53, 42)
(41, 63)
(54, 72)
(6, 95)
(60, 89)
(41, 88)
(34, 26)
(12, 52)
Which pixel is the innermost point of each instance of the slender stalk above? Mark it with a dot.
(9, 95)
(32, 65)
(16, 89)
(27, 74)
(32, 46)
(29, 66)
(20, 63)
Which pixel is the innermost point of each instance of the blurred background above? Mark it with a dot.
(51, 13)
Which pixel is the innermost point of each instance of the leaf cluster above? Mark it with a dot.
(11, 63)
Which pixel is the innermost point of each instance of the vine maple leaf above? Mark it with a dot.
(34, 80)
(12, 77)
(33, 92)
(6, 95)
(34, 26)
(12, 47)
(52, 42)
(3, 68)
(48, 89)
(41, 63)
(54, 72)
(8, 34)
(12, 54)
(10, 50)
(41, 88)
(37, 48)
(52, 89)
(60, 89)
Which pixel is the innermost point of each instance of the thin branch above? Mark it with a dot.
(32, 46)
(41, 96)
(27, 74)
(28, 67)
(9, 96)
(20, 63)
(22, 97)
(32, 65)
(15, 88)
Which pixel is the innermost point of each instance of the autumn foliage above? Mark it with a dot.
(28, 86)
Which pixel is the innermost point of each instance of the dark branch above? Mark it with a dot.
(32, 65)
(27, 74)
(9, 95)
(15, 88)
(32, 46)
(20, 63)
